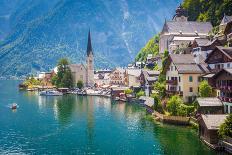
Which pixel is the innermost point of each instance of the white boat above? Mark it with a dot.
(50, 93)
(14, 106)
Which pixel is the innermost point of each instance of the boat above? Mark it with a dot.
(50, 93)
(117, 98)
(14, 106)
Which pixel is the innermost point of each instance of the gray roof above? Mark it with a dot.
(202, 41)
(213, 121)
(134, 72)
(209, 102)
(226, 19)
(188, 27)
(74, 66)
(152, 79)
(229, 70)
(182, 58)
(185, 63)
(153, 72)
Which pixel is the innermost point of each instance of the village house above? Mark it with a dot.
(183, 74)
(208, 128)
(223, 85)
(203, 47)
(134, 77)
(119, 77)
(225, 29)
(148, 78)
(178, 33)
(209, 105)
(85, 73)
(219, 58)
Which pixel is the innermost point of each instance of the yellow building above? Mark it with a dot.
(183, 73)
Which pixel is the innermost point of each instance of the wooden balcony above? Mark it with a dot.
(174, 92)
(226, 99)
(171, 82)
(224, 87)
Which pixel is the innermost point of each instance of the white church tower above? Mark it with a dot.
(89, 63)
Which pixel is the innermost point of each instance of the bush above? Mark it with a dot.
(205, 90)
(157, 103)
(226, 128)
(128, 91)
(80, 84)
(140, 93)
(173, 105)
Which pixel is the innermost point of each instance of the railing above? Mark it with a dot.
(171, 82)
(173, 92)
(225, 99)
(224, 87)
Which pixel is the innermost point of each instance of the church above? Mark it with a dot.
(85, 73)
(179, 32)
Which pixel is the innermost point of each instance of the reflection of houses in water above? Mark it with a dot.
(90, 119)
(103, 102)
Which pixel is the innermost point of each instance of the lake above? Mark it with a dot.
(74, 124)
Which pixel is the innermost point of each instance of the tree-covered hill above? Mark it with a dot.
(198, 10)
(208, 10)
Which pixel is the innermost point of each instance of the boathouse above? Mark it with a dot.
(208, 128)
(209, 105)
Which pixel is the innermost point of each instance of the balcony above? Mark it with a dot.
(174, 92)
(171, 82)
(226, 99)
(224, 87)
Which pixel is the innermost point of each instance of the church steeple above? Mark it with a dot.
(89, 45)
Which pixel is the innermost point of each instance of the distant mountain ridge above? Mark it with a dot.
(41, 32)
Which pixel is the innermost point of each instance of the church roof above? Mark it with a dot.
(89, 45)
(187, 27)
(226, 19)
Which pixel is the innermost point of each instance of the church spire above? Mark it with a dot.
(89, 45)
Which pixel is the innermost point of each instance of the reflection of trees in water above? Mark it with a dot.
(65, 108)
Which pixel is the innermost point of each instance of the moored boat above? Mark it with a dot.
(50, 93)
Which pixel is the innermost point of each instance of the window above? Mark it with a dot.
(179, 78)
(179, 88)
(228, 65)
(171, 68)
(190, 89)
(190, 79)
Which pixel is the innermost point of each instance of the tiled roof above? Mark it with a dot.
(75, 66)
(134, 72)
(185, 63)
(213, 121)
(209, 101)
(202, 41)
(225, 50)
(226, 19)
(188, 27)
(182, 58)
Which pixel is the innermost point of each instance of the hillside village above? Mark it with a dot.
(193, 70)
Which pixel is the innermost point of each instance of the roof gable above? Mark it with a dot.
(227, 51)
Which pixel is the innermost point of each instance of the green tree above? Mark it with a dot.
(173, 105)
(128, 91)
(80, 84)
(64, 76)
(157, 103)
(152, 47)
(205, 90)
(226, 128)
(140, 93)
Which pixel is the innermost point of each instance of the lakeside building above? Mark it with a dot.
(222, 82)
(208, 128)
(102, 77)
(148, 78)
(209, 105)
(177, 34)
(119, 77)
(134, 77)
(83, 72)
(183, 74)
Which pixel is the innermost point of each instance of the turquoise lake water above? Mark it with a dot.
(85, 125)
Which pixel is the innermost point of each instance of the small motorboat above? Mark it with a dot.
(117, 98)
(14, 106)
(50, 93)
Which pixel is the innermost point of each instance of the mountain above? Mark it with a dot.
(40, 31)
